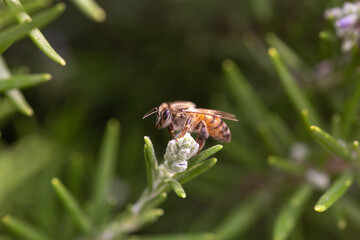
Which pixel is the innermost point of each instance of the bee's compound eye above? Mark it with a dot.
(166, 114)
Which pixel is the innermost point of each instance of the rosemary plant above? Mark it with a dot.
(289, 172)
(178, 168)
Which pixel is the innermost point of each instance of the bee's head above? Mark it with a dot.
(163, 116)
(163, 119)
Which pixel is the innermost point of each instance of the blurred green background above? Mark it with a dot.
(145, 53)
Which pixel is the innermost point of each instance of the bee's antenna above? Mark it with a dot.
(151, 112)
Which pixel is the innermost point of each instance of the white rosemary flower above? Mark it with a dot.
(299, 151)
(346, 21)
(178, 152)
(318, 179)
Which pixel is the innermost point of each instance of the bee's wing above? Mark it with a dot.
(211, 112)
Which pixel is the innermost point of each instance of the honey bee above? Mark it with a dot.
(183, 117)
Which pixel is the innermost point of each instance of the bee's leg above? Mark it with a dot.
(171, 128)
(203, 134)
(186, 128)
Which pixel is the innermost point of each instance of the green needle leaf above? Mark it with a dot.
(157, 212)
(330, 143)
(177, 236)
(273, 146)
(243, 92)
(22, 229)
(151, 153)
(36, 36)
(149, 216)
(195, 170)
(129, 223)
(76, 173)
(149, 170)
(204, 155)
(150, 161)
(357, 149)
(20, 102)
(153, 203)
(350, 111)
(23, 81)
(258, 51)
(327, 35)
(14, 95)
(105, 169)
(286, 165)
(336, 191)
(242, 217)
(72, 206)
(305, 118)
(14, 33)
(290, 213)
(335, 125)
(351, 208)
(24, 151)
(7, 16)
(7, 109)
(293, 91)
(176, 186)
(91, 9)
(291, 58)
(253, 108)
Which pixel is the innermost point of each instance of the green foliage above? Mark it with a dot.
(273, 130)
(195, 170)
(288, 172)
(91, 9)
(24, 151)
(292, 89)
(23, 81)
(105, 171)
(330, 143)
(14, 95)
(243, 216)
(36, 36)
(292, 59)
(177, 188)
(289, 214)
(22, 229)
(286, 165)
(150, 161)
(144, 210)
(14, 33)
(71, 206)
(186, 236)
(141, 213)
(339, 188)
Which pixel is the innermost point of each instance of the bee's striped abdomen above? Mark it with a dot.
(217, 128)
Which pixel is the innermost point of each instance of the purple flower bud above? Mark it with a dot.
(347, 21)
